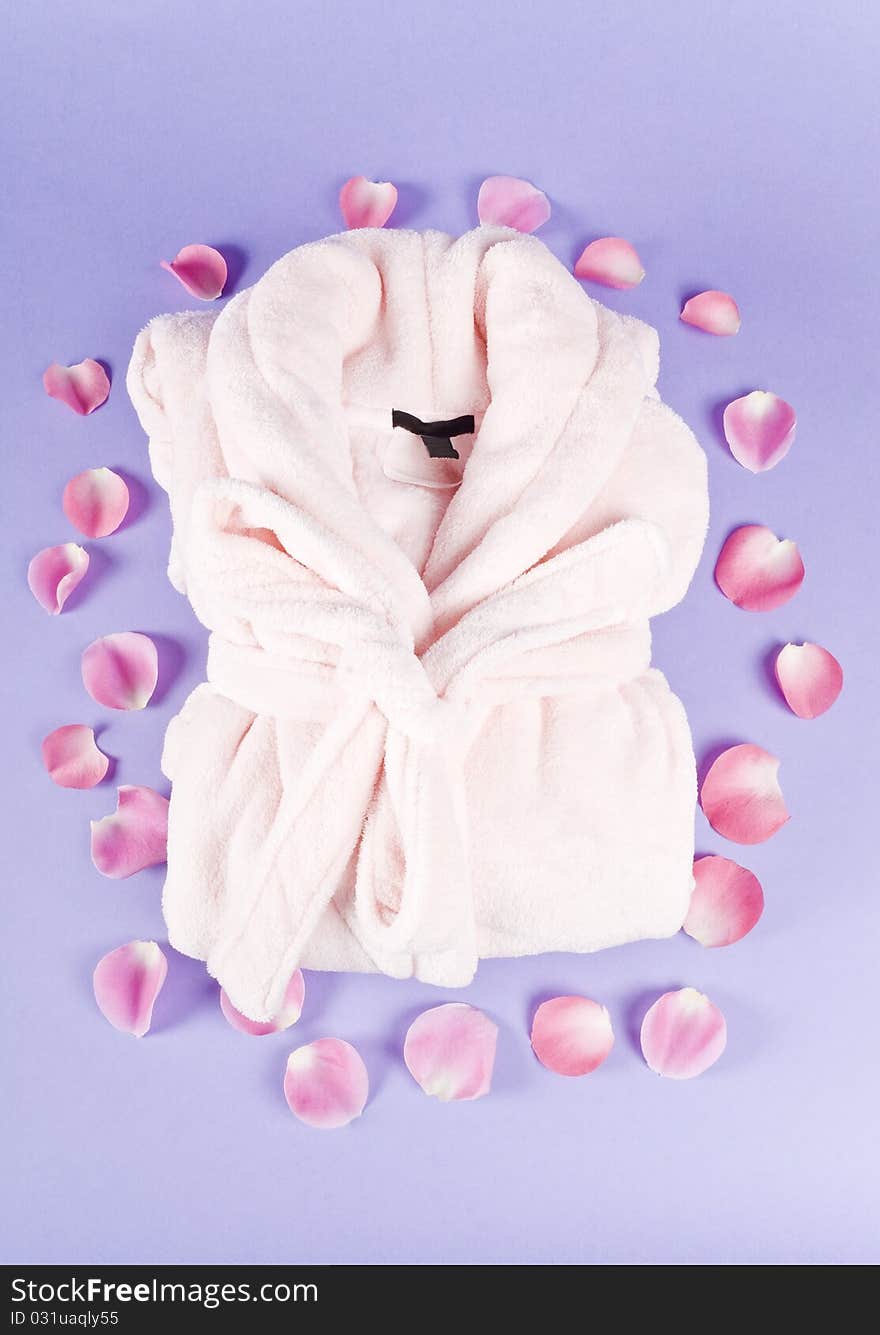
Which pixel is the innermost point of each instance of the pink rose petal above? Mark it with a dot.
(741, 796)
(134, 836)
(758, 571)
(127, 983)
(291, 1010)
(121, 670)
(612, 262)
(72, 758)
(683, 1034)
(83, 387)
(450, 1051)
(713, 312)
(726, 902)
(510, 202)
(96, 502)
(809, 677)
(759, 428)
(572, 1035)
(367, 203)
(326, 1083)
(201, 269)
(54, 573)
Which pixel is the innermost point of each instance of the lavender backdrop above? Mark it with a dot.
(733, 143)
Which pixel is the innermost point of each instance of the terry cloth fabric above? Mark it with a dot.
(430, 731)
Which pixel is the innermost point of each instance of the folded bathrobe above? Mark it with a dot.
(430, 731)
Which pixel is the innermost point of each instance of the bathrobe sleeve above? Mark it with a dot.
(661, 477)
(166, 382)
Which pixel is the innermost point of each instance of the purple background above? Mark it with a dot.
(732, 143)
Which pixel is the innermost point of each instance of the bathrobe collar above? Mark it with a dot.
(569, 374)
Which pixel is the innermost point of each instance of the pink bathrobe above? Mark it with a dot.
(430, 731)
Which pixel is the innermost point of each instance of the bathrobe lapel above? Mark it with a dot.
(275, 381)
(542, 451)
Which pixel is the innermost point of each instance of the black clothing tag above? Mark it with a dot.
(436, 436)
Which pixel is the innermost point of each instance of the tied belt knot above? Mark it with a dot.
(405, 696)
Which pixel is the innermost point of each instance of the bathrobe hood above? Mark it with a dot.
(429, 730)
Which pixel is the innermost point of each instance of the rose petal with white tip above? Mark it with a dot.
(683, 1034)
(96, 502)
(571, 1035)
(450, 1051)
(83, 387)
(726, 902)
(291, 1010)
(809, 677)
(367, 203)
(201, 269)
(509, 201)
(713, 312)
(72, 757)
(54, 573)
(121, 670)
(612, 262)
(758, 571)
(326, 1083)
(127, 982)
(741, 796)
(759, 428)
(134, 836)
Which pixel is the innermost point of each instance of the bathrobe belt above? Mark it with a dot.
(411, 895)
(382, 792)
(411, 906)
